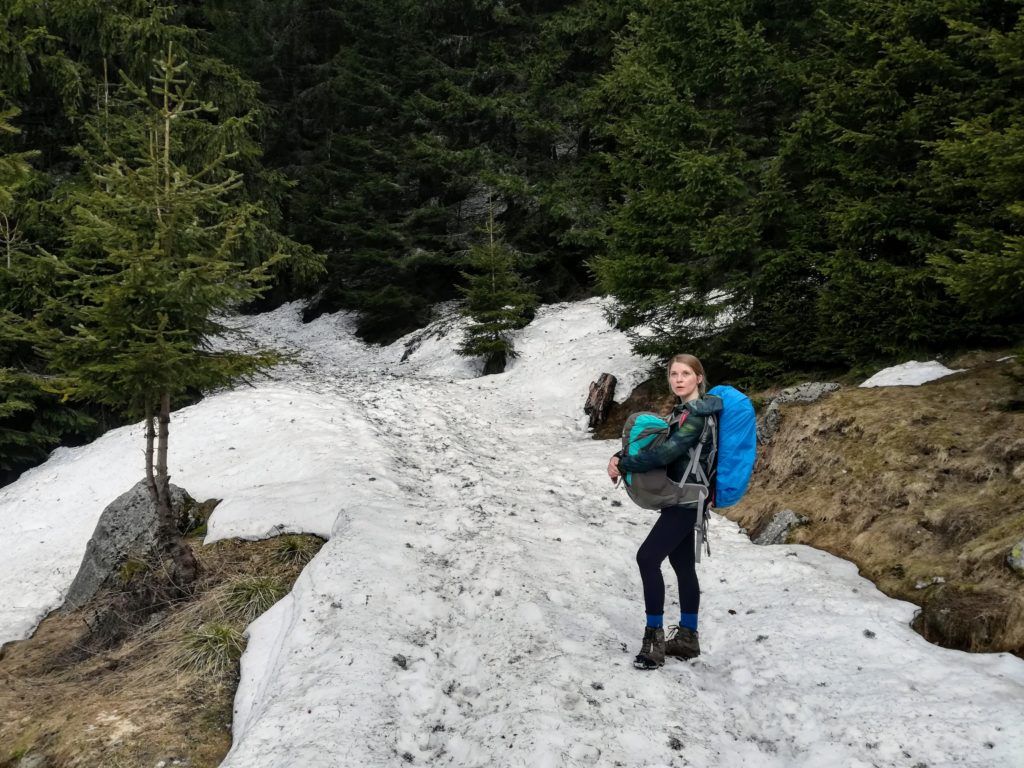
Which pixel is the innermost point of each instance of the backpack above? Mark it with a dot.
(737, 446)
(719, 468)
(654, 489)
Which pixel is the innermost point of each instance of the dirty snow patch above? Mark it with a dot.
(910, 374)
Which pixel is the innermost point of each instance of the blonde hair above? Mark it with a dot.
(695, 366)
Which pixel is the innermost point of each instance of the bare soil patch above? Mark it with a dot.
(67, 702)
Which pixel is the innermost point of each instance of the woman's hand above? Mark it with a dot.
(613, 468)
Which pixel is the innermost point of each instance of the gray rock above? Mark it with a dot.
(126, 529)
(778, 529)
(1016, 557)
(769, 422)
(809, 392)
(812, 391)
(33, 760)
(170, 762)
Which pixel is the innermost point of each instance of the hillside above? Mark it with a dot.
(476, 602)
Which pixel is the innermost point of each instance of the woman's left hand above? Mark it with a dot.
(613, 468)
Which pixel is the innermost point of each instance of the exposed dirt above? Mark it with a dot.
(921, 487)
(65, 703)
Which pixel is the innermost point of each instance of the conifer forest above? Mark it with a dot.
(778, 187)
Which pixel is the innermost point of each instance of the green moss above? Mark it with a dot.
(131, 568)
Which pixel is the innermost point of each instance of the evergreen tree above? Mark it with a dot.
(805, 185)
(154, 247)
(31, 421)
(60, 63)
(889, 83)
(977, 174)
(14, 169)
(814, 184)
(394, 156)
(369, 182)
(707, 247)
(497, 300)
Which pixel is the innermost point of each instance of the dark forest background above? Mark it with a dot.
(779, 187)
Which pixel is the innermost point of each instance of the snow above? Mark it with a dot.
(910, 374)
(477, 602)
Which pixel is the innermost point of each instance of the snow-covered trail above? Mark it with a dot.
(478, 604)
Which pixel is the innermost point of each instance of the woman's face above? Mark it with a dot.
(684, 382)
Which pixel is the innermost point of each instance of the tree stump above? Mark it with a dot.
(600, 399)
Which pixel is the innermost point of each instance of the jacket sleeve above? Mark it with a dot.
(681, 441)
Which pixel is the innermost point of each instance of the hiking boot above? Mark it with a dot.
(652, 651)
(682, 643)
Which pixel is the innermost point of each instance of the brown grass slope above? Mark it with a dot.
(67, 701)
(912, 483)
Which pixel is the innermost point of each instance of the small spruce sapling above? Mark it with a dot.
(497, 299)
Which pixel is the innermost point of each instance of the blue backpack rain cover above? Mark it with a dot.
(737, 445)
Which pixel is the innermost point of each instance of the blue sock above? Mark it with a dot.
(688, 620)
(655, 620)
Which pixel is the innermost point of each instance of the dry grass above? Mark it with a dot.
(912, 483)
(135, 704)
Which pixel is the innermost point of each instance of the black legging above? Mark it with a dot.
(671, 537)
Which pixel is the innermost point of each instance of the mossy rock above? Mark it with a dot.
(1016, 558)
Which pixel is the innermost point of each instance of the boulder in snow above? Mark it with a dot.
(126, 529)
(778, 529)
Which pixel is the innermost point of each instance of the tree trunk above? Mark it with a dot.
(150, 439)
(496, 363)
(184, 567)
(162, 480)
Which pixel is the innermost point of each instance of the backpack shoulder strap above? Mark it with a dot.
(708, 435)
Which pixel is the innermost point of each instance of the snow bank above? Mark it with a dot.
(910, 374)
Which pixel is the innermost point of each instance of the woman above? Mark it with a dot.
(673, 534)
